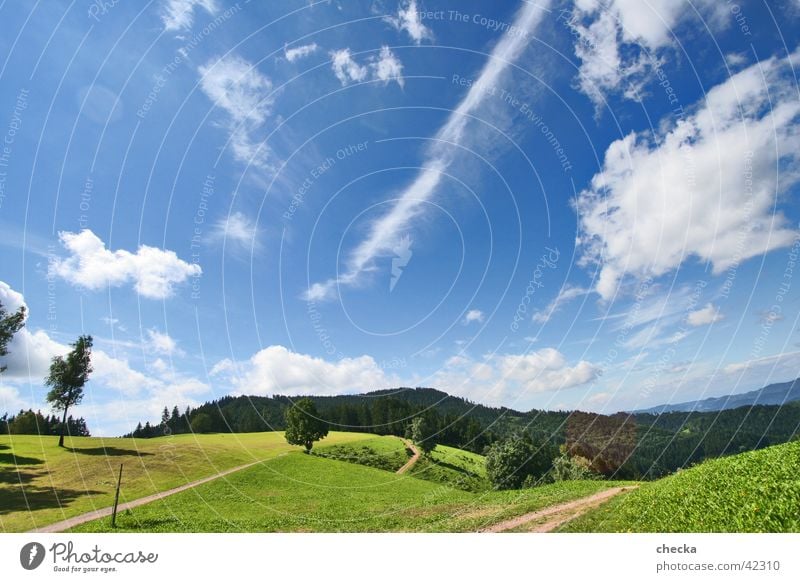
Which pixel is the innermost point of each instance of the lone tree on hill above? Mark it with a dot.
(68, 375)
(303, 424)
(10, 324)
(423, 434)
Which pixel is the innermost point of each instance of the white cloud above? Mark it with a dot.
(346, 68)
(154, 272)
(239, 89)
(388, 67)
(474, 315)
(619, 42)
(299, 52)
(705, 316)
(29, 352)
(408, 19)
(513, 379)
(238, 230)
(385, 232)
(565, 294)
(779, 365)
(162, 343)
(277, 370)
(704, 188)
(179, 14)
(546, 370)
(735, 60)
(116, 396)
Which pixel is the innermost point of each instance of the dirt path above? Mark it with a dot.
(548, 519)
(106, 511)
(412, 460)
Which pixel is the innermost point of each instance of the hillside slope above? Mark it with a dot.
(758, 491)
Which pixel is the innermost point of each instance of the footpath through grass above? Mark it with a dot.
(41, 483)
(299, 492)
(444, 465)
(758, 491)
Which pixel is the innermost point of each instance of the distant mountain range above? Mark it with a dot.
(769, 395)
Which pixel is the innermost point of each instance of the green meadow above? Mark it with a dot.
(757, 491)
(41, 483)
(308, 493)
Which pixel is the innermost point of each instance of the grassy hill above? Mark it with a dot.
(445, 465)
(41, 483)
(309, 493)
(758, 491)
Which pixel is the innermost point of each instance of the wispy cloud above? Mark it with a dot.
(237, 230)
(705, 316)
(385, 67)
(179, 14)
(566, 294)
(239, 89)
(408, 19)
(299, 52)
(384, 232)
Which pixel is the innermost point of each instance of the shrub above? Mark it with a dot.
(518, 461)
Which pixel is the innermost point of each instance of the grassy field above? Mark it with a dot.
(381, 452)
(444, 465)
(41, 483)
(757, 491)
(454, 467)
(298, 492)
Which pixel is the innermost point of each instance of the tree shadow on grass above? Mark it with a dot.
(109, 452)
(15, 460)
(32, 498)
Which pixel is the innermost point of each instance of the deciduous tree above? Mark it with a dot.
(303, 424)
(68, 375)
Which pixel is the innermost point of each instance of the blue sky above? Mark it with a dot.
(554, 205)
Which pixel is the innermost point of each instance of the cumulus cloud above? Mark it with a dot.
(29, 352)
(113, 381)
(346, 68)
(388, 67)
(162, 343)
(513, 379)
(154, 272)
(474, 315)
(179, 14)
(278, 370)
(705, 316)
(703, 188)
(408, 19)
(299, 52)
(239, 89)
(385, 232)
(619, 42)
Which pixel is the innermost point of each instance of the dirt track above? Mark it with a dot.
(549, 518)
(412, 460)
